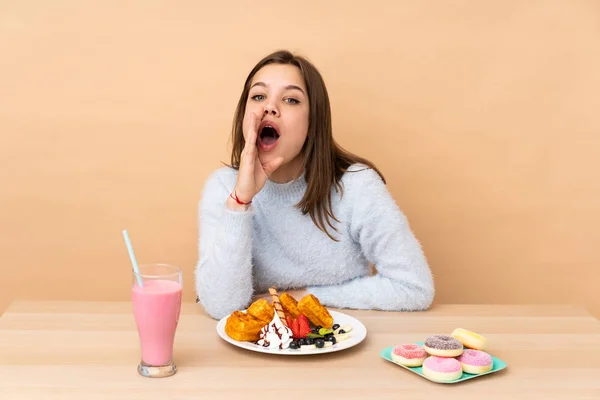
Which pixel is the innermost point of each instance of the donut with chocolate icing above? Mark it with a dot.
(443, 346)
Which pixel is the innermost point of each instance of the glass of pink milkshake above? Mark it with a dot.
(156, 306)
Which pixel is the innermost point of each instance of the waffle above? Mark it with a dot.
(289, 305)
(262, 310)
(246, 326)
(315, 312)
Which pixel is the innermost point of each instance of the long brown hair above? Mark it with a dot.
(324, 160)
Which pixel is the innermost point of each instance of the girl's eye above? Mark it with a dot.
(258, 97)
(291, 101)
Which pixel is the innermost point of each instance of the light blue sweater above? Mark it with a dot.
(272, 244)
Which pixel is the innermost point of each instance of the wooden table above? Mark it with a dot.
(89, 350)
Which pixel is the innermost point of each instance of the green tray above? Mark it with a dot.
(499, 365)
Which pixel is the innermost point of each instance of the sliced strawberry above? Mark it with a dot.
(303, 326)
(295, 329)
(288, 319)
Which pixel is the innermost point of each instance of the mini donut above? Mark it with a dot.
(442, 369)
(410, 355)
(443, 346)
(469, 339)
(475, 361)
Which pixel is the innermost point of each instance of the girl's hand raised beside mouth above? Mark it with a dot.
(252, 175)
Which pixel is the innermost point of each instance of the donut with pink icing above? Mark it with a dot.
(475, 361)
(443, 346)
(442, 369)
(410, 355)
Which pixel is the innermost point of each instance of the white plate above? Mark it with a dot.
(358, 334)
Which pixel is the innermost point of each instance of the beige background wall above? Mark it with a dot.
(484, 117)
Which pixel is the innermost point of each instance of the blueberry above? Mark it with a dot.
(315, 331)
(294, 345)
(329, 334)
(331, 339)
(341, 331)
(335, 326)
(301, 342)
(309, 341)
(318, 327)
(319, 343)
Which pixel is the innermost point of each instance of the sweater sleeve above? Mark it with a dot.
(403, 280)
(224, 269)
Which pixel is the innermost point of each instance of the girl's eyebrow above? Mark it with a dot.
(294, 87)
(288, 87)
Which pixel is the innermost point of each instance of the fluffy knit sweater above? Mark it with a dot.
(242, 253)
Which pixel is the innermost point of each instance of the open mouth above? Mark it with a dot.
(269, 135)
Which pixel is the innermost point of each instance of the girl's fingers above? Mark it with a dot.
(272, 165)
(251, 123)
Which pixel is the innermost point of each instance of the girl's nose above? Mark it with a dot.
(270, 110)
